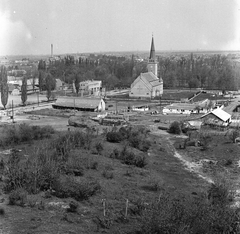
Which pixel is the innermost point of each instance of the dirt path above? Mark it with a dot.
(186, 162)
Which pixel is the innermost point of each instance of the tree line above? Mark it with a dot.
(192, 71)
(209, 72)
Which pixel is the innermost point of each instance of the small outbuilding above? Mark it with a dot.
(217, 117)
(80, 103)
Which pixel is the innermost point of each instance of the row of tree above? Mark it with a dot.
(202, 71)
(210, 72)
(46, 82)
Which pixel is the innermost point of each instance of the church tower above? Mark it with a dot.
(152, 63)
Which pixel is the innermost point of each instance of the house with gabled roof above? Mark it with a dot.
(217, 117)
(148, 85)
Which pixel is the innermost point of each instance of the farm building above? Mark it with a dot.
(148, 85)
(217, 117)
(187, 108)
(80, 103)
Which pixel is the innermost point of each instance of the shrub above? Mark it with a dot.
(34, 174)
(205, 141)
(94, 165)
(24, 133)
(73, 206)
(99, 147)
(129, 158)
(114, 137)
(107, 174)
(115, 154)
(174, 213)
(175, 128)
(219, 193)
(66, 187)
(18, 197)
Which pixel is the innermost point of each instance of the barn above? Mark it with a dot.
(80, 103)
(217, 117)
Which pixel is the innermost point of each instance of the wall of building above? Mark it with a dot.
(140, 90)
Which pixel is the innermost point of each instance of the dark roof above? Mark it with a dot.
(152, 51)
(149, 76)
(78, 102)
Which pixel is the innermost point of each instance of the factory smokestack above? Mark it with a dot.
(51, 50)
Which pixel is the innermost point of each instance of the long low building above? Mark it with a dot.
(186, 108)
(80, 103)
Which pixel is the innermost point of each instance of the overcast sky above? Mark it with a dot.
(31, 26)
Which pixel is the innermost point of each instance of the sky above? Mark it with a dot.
(87, 26)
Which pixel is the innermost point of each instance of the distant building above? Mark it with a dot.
(187, 108)
(80, 103)
(91, 87)
(59, 84)
(148, 85)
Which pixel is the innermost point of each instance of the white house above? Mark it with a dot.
(91, 87)
(187, 108)
(148, 85)
(217, 117)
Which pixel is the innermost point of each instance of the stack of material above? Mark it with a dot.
(82, 122)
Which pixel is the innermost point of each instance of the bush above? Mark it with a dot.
(175, 128)
(66, 187)
(18, 197)
(114, 137)
(129, 158)
(205, 141)
(34, 174)
(174, 213)
(23, 133)
(107, 174)
(99, 147)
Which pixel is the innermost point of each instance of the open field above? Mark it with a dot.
(184, 172)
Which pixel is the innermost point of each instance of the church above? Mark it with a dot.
(148, 85)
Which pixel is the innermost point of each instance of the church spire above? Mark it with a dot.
(152, 51)
(152, 63)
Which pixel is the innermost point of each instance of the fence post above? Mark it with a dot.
(126, 209)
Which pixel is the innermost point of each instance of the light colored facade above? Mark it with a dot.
(148, 85)
(187, 108)
(91, 87)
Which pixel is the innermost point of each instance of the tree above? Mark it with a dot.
(50, 85)
(77, 83)
(24, 91)
(4, 87)
(40, 80)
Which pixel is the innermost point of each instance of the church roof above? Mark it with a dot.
(149, 76)
(152, 51)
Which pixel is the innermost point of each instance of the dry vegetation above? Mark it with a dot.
(123, 181)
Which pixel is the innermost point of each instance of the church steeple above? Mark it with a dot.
(152, 63)
(152, 51)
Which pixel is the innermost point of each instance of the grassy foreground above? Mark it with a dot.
(123, 181)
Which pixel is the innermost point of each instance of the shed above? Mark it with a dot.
(80, 103)
(217, 117)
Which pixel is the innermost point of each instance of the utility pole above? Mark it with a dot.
(12, 113)
(116, 108)
(38, 97)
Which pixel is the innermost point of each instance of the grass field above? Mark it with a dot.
(120, 183)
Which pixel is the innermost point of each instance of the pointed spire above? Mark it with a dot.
(152, 51)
